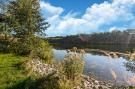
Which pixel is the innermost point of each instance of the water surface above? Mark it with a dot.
(101, 66)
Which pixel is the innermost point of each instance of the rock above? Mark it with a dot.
(38, 67)
(85, 84)
(96, 82)
(100, 87)
(95, 87)
(89, 82)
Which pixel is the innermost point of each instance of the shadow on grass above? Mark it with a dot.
(20, 65)
(21, 85)
(48, 82)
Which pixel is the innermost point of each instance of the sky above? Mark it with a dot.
(71, 17)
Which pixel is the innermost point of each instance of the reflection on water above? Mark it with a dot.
(130, 66)
(100, 66)
(118, 48)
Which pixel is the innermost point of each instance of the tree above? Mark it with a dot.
(4, 29)
(25, 18)
(25, 22)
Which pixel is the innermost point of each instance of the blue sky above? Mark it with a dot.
(71, 17)
(73, 5)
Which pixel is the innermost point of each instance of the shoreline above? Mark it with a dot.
(87, 82)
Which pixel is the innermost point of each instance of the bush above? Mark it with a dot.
(4, 46)
(33, 46)
(42, 50)
(73, 66)
(20, 47)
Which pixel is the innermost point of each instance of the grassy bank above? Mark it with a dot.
(11, 74)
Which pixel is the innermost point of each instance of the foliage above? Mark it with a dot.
(4, 46)
(4, 28)
(72, 67)
(42, 50)
(25, 18)
(66, 84)
(20, 47)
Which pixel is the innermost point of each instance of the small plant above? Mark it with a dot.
(74, 49)
(132, 55)
(73, 66)
(65, 84)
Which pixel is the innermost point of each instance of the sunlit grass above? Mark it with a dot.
(10, 73)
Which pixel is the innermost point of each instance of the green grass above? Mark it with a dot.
(10, 73)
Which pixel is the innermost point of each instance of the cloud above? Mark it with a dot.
(127, 2)
(108, 13)
(116, 28)
(50, 10)
(98, 17)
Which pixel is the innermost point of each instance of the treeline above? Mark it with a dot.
(115, 40)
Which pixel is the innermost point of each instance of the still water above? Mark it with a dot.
(102, 66)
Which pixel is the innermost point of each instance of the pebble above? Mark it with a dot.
(38, 67)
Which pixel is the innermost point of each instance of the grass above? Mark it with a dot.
(10, 73)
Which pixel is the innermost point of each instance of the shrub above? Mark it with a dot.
(4, 46)
(42, 50)
(73, 66)
(35, 46)
(20, 47)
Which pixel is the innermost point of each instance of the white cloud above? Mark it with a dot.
(116, 28)
(107, 13)
(112, 29)
(118, 2)
(49, 9)
(115, 14)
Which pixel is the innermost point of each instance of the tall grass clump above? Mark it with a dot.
(132, 55)
(72, 67)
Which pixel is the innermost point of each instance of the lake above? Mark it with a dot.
(103, 66)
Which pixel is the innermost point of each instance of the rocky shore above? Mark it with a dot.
(88, 82)
(38, 67)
